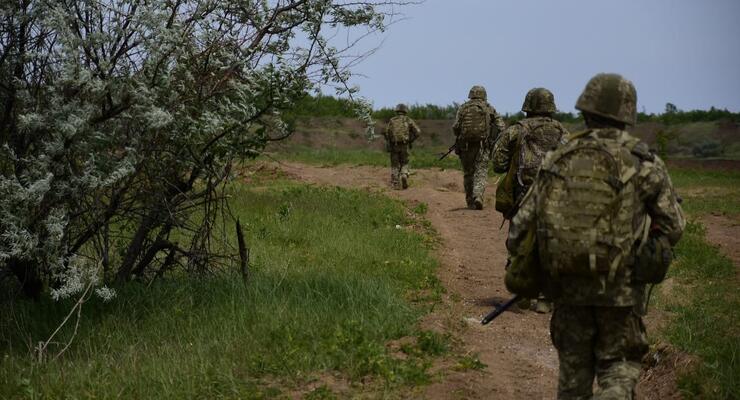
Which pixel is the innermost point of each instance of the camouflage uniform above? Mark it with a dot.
(597, 326)
(539, 104)
(399, 149)
(474, 155)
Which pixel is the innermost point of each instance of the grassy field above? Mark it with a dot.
(336, 275)
(704, 302)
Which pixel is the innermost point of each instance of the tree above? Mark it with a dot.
(670, 108)
(123, 119)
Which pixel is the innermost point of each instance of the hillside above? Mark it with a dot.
(702, 140)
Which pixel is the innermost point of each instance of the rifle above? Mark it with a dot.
(498, 310)
(450, 150)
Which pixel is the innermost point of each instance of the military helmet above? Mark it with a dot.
(477, 92)
(402, 109)
(539, 100)
(610, 96)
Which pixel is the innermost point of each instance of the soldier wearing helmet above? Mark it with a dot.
(519, 152)
(476, 127)
(400, 133)
(604, 217)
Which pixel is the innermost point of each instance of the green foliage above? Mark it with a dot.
(129, 114)
(322, 106)
(421, 111)
(326, 294)
(675, 116)
(707, 148)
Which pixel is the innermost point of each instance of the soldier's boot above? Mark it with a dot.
(395, 184)
(542, 306)
(404, 181)
(478, 203)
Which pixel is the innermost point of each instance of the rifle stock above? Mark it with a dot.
(498, 310)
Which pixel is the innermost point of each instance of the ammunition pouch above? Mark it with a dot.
(652, 260)
(524, 276)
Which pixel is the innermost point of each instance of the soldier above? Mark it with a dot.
(605, 217)
(476, 127)
(400, 133)
(519, 152)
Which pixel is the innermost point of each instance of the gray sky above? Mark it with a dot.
(682, 51)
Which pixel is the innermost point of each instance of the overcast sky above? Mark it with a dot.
(682, 51)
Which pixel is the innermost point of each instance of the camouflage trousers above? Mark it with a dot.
(606, 343)
(399, 164)
(474, 159)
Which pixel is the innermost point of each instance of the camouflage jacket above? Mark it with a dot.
(655, 197)
(503, 151)
(497, 123)
(414, 130)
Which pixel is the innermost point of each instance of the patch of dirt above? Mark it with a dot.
(663, 365)
(724, 232)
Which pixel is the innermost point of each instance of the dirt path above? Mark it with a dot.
(521, 363)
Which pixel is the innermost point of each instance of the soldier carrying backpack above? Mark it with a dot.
(596, 228)
(519, 152)
(520, 149)
(400, 133)
(476, 127)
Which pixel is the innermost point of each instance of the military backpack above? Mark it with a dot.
(475, 119)
(539, 136)
(398, 129)
(587, 205)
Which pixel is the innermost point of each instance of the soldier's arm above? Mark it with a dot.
(456, 126)
(414, 129)
(502, 151)
(564, 134)
(661, 200)
(499, 126)
(523, 219)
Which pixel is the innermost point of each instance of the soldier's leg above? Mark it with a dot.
(403, 159)
(480, 176)
(395, 169)
(621, 344)
(468, 165)
(573, 331)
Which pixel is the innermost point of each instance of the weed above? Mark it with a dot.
(469, 362)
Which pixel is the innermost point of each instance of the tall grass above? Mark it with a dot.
(333, 280)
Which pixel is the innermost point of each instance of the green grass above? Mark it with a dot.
(333, 281)
(705, 191)
(705, 302)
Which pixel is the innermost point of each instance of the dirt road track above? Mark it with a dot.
(516, 348)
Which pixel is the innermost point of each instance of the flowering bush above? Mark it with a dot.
(121, 119)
